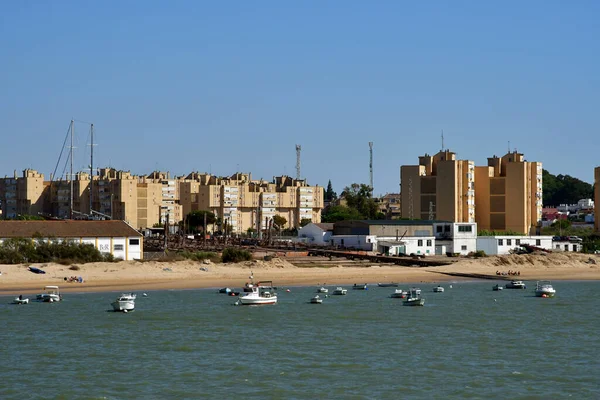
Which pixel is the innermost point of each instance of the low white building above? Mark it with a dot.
(422, 245)
(566, 245)
(497, 245)
(455, 237)
(315, 233)
(358, 242)
(115, 237)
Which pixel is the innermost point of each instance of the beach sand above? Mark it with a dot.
(153, 275)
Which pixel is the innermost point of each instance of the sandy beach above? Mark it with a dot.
(153, 275)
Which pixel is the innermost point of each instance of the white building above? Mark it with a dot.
(455, 237)
(566, 245)
(115, 237)
(315, 233)
(421, 245)
(497, 245)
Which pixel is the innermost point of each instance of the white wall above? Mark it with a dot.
(495, 245)
(412, 244)
(312, 234)
(363, 242)
(566, 246)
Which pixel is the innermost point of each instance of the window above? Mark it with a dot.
(465, 228)
(419, 243)
(500, 242)
(463, 247)
(538, 242)
(118, 247)
(574, 247)
(439, 229)
(509, 242)
(428, 242)
(134, 242)
(518, 242)
(447, 228)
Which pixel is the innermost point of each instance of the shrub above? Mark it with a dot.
(200, 255)
(231, 254)
(74, 268)
(477, 254)
(26, 250)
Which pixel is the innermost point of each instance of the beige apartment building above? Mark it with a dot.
(439, 188)
(245, 203)
(24, 195)
(509, 194)
(597, 198)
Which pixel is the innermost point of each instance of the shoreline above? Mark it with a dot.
(127, 276)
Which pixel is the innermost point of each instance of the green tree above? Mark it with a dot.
(340, 213)
(279, 222)
(195, 220)
(330, 195)
(359, 197)
(305, 221)
(564, 189)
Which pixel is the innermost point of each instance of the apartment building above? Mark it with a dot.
(390, 205)
(24, 195)
(245, 203)
(509, 194)
(440, 187)
(597, 198)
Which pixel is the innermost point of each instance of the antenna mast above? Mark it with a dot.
(91, 168)
(371, 166)
(442, 140)
(298, 149)
(71, 171)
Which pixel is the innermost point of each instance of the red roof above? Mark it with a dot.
(66, 229)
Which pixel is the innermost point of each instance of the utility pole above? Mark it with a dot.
(371, 167)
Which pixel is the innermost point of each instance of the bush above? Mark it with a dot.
(25, 250)
(74, 268)
(200, 255)
(477, 254)
(231, 254)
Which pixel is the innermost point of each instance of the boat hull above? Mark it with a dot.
(414, 302)
(545, 293)
(257, 302)
(123, 305)
(21, 301)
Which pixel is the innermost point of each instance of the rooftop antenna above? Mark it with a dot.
(371, 166)
(91, 167)
(442, 140)
(298, 149)
(509, 146)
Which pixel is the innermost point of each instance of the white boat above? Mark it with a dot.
(20, 300)
(544, 289)
(262, 293)
(322, 289)
(516, 285)
(414, 298)
(497, 287)
(399, 294)
(339, 291)
(438, 289)
(316, 300)
(125, 302)
(50, 295)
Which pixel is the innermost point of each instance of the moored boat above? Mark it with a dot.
(51, 294)
(359, 287)
(391, 284)
(414, 298)
(516, 285)
(544, 289)
(225, 290)
(339, 291)
(316, 300)
(322, 289)
(438, 289)
(262, 294)
(399, 294)
(497, 287)
(125, 302)
(20, 300)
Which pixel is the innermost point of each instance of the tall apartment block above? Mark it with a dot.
(440, 187)
(22, 195)
(597, 198)
(509, 194)
(245, 203)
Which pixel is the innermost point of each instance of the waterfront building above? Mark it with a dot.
(509, 194)
(439, 187)
(23, 195)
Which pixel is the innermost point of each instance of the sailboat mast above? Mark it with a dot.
(91, 167)
(71, 172)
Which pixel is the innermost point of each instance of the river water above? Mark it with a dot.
(468, 342)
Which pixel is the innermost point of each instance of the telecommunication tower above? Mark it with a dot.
(298, 149)
(371, 166)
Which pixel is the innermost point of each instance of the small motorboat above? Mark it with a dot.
(414, 298)
(262, 293)
(391, 284)
(20, 300)
(399, 294)
(438, 289)
(51, 294)
(516, 285)
(225, 290)
(359, 287)
(322, 289)
(316, 300)
(125, 302)
(544, 289)
(339, 291)
(497, 288)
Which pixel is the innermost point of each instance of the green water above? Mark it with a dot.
(468, 342)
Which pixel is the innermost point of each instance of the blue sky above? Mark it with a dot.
(234, 85)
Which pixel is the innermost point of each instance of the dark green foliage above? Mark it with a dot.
(330, 195)
(477, 254)
(306, 221)
(195, 220)
(232, 254)
(340, 213)
(24, 250)
(199, 255)
(564, 189)
(279, 221)
(359, 205)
